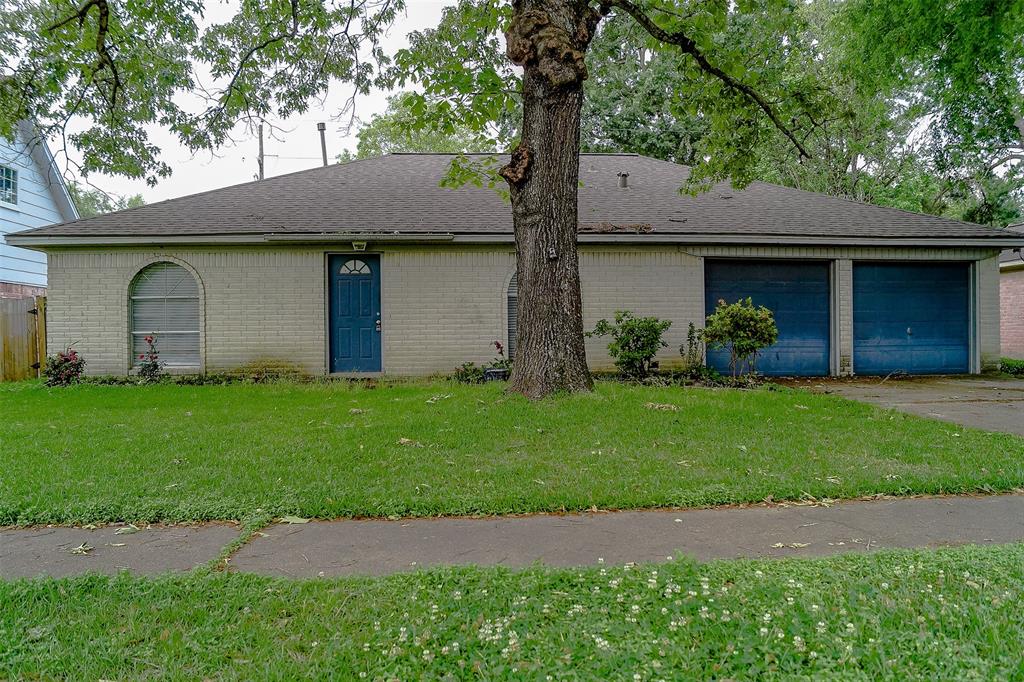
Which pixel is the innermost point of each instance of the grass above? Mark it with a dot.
(107, 453)
(946, 614)
(1012, 367)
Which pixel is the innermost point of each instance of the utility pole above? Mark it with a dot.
(323, 140)
(259, 159)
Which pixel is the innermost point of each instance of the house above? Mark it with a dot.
(370, 267)
(1011, 301)
(32, 194)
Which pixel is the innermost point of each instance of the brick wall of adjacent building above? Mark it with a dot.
(441, 305)
(11, 290)
(1011, 306)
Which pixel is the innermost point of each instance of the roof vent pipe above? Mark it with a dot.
(623, 180)
(322, 127)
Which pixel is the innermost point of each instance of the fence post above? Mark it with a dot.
(40, 335)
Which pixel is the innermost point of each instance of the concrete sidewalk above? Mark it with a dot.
(382, 547)
(375, 547)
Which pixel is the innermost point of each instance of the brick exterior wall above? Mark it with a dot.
(1011, 305)
(11, 290)
(441, 305)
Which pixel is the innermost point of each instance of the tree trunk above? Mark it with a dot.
(548, 38)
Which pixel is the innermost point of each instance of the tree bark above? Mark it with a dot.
(548, 38)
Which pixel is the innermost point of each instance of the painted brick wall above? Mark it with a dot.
(259, 304)
(441, 306)
(1011, 303)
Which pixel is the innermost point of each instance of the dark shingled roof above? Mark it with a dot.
(400, 193)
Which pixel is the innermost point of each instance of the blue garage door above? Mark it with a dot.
(797, 292)
(911, 317)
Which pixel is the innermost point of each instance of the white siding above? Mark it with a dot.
(35, 208)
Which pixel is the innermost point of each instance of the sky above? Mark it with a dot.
(295, 144)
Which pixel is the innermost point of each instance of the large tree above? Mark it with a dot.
(98, 73)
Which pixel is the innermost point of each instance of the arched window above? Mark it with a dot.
(513, 311)
(165, 305)
(355, 267)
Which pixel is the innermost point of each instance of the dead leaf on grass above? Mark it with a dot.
(410, 442)
(356, 410)
(665, 407)
(292, 519)
(127, 530)
(436, 398)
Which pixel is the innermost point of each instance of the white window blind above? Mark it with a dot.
(513, 310)
(165, 305)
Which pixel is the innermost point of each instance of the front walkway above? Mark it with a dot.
(378, 547)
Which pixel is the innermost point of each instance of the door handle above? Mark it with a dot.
(377, 325)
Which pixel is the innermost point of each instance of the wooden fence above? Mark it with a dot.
(22, 337)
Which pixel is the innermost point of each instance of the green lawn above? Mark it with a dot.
(104, 453)
(930, 615)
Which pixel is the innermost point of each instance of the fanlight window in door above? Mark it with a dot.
(164, 302)
(355, 267)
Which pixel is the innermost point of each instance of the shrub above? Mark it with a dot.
(1013, 367)
(149, 368)
(468, 373)
(743, 328)
(64, 368)
(635, 341)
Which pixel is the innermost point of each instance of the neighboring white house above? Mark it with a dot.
(32, 194)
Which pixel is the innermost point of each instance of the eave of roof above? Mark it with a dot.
(44, 242)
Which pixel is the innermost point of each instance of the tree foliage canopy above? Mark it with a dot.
(851, 80)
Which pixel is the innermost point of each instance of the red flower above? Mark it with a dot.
(148, 339)
(142, 357)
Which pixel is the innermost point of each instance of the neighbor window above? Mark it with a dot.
(165, 305)
(513, 311)
(8, 185)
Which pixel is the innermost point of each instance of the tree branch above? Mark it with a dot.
(251, 52)
(688, 46)
(106, 60)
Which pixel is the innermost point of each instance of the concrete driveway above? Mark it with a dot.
(993, 404)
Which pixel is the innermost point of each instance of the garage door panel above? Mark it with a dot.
(797, 293)
(911, 317)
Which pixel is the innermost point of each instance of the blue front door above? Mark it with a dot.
(797, 293)
(355, 313)
(911, 317)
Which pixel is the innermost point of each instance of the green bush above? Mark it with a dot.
(1011, 366)
(468, 373)
(743, 328)
(635, 341)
